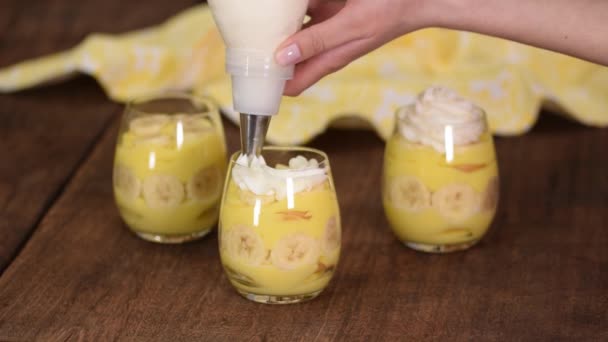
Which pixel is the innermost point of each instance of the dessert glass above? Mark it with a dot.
(279, 231)
(440, 196)
(169, 167)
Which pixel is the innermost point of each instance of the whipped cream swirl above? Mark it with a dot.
(439, 117)
(253, 174)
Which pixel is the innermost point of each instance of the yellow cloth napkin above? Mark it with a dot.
(509, 80)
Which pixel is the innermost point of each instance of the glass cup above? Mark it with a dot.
(443, 198)
(282, 245)
(169, 167)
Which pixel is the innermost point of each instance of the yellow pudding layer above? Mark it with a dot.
(429, 199)
(280, 247)
(169, 182)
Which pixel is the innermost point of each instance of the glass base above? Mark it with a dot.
(268, 299)
(441, 249)
(173, 239)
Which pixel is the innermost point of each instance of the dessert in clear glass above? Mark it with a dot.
(440, 182)
(169, 167)
(279, 231)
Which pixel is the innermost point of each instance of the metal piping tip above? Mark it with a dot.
(253, 133)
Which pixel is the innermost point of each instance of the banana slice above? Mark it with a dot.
(251, 198)
(490, 196)
(456, 202)
(148, 125)
(205, 185)
(156, 140)
(195, 119)
(163, 191)
(409, 193)
(194, 126)
(294, 251)
(194, 135)
(243, 243)
(126, 182)
(199, 121)
(332, 236)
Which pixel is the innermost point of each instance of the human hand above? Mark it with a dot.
(342, 31)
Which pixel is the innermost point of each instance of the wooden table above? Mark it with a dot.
(70, 271)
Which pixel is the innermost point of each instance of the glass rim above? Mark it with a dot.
(324, 157)
(402, 111)
(192, 99)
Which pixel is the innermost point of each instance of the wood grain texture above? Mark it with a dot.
(44, 136)
(540, 274)
(45, 133)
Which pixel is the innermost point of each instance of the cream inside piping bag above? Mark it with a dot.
(252, 31)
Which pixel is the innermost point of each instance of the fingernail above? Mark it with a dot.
(289, 55)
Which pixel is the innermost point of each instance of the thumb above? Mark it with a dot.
(317, 39)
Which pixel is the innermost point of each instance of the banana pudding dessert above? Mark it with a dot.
(440, 182)
(168, 175)
(280, 227)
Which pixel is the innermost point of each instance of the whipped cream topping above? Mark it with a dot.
(252, 173)
(439, 117)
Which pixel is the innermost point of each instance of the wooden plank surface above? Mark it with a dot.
(540, 274)
(44, 137)
(45, 133)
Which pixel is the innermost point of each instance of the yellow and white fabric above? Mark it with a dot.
(509, 80)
